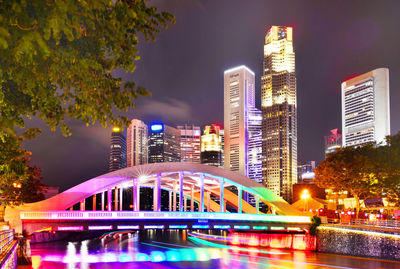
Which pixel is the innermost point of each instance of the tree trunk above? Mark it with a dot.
(357, 205)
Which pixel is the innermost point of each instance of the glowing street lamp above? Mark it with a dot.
(305, 195)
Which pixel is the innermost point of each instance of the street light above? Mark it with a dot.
(305, 195)
(17, 185)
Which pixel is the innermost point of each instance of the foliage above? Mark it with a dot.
(368, 170)
(20, 182)
(58, 57)
(349, 169)
(388, 169)
(315, 222)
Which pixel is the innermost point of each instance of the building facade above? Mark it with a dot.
(278, 105)
(333, 142)
(164, 144)
(136, 143)
(255, 145)
(238, 100)
(306, 173)
(366, 108)
(190, 143)
(211, 146)
(117, 150)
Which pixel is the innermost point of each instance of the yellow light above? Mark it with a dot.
(305, 194)
(116, 129)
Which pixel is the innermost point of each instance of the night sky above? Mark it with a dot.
(333, 40)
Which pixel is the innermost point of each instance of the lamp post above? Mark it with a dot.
(304, 196)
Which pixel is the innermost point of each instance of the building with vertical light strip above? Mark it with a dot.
(366, 108)
(136, 143)
(190, 143)
(255, 144)
(117, 150)
(239, 109)
(278, 105)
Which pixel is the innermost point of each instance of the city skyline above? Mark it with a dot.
(320, 72)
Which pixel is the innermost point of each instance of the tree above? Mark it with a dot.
(388, 169)
(20, 182)
(58, 57)
(349, 169)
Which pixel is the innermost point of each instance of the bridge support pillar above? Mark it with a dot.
(135, 193)
(157, 193)
(170, 200)
(121, 193)
(94, 202)
(221, 196)
(109, 198)
(116, 198)
(181, 191)
(102, 200)
(201, 209)
(239, 188)
(82, 205)
(174, 196)
(191, 199)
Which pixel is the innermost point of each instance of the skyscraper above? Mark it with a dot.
(136, 143)
(255, 144)
(117, 150)
(211, 146)
(333, 142)
(190, 143)
(164, 144)
(238, 100)
(278, 105)
(366, 108)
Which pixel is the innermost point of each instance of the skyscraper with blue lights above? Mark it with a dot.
(164, 144)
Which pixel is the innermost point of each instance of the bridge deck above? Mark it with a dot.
(118, 220)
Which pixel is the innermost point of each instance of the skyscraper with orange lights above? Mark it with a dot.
(278, 105)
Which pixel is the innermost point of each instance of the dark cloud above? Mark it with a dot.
(184, 71)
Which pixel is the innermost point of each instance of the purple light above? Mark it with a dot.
(95, 228)
(70, 228)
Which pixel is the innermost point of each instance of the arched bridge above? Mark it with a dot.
(192, 189)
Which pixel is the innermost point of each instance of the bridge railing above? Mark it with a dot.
(129, 215)
(6, 238)
(364, 224)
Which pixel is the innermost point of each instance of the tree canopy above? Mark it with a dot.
(57, 62)
(366, 171)
(57, 59)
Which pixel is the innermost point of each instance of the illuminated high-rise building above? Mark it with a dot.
(255, 144)
(278, 105)
(366, 108)
(136, 143)
(211, 146)
(240, 121)
(190, 143)
(117, 150)
(333, 142)
(164, 144)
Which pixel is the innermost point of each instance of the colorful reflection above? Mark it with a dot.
(282, 241)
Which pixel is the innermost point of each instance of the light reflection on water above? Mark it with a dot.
(177, 249)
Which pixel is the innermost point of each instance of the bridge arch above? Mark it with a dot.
(190, 180)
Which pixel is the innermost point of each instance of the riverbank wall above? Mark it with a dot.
(359, 243)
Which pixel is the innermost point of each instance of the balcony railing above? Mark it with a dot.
(6, 238)
(392, 226)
